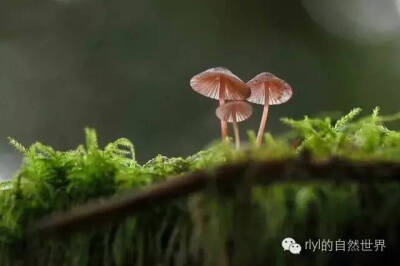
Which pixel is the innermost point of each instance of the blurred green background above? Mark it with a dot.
(123, 67)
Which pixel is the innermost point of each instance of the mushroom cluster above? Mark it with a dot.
(221, 84)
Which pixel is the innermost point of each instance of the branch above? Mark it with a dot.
(267, 172)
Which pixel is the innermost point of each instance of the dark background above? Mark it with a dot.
(123, 67)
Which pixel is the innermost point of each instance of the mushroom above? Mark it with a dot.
(221, 84)
(234, 112)
(267, 89)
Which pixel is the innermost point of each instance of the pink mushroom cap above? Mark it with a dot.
(208, 84)
(279, 90)
(235, 111)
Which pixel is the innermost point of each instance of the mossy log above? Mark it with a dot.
(332, 170)
(219, 207)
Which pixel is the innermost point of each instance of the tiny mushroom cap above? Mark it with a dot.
(209, 82)
(235, 111)
(279, 90)
(267, 89)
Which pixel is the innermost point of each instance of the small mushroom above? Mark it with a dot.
(221, 84)
(267, 89)
(234, 112)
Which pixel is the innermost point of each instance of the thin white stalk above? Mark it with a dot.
(264, 118)
(224, 124)
(236, 132)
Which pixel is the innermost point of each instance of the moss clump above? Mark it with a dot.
(206, 229)
(364, 139)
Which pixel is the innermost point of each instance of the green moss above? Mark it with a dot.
(364, 139)
(203, 229)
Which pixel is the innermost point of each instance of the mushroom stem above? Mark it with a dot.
(236, 132)
(224, 124)
(264, 117)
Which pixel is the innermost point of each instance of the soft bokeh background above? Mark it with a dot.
(123, 67)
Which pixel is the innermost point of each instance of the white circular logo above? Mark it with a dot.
(290, 244)
(287, 242)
